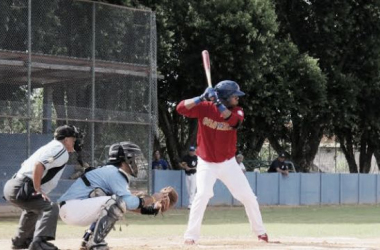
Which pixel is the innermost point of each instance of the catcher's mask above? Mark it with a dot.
(70, 131)
(125, 152)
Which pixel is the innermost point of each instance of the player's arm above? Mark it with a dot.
(38, 172)
(208, 95)
(234, 118)
(279, 170)
(184, 165)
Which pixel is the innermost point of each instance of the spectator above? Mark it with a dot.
(189, 164)
(239, 159)
(279, 165)
(159, 163)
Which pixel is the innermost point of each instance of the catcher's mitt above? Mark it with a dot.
(167, 198)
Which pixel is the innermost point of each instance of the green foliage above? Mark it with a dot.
(344, 36)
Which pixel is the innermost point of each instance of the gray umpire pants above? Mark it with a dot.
(38, 218)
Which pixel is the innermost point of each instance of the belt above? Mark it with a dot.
(19, 176)
(62, 203)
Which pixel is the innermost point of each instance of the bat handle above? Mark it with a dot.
(208, 75)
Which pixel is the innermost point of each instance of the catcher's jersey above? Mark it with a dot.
(217, 137)
(109, 180)
(54, 157)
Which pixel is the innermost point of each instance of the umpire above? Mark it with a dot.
(28, 189)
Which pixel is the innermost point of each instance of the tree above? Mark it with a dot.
(344, 36)
(235, 33)
(241, 38)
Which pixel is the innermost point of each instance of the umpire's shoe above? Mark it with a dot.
(20, 244)
(39, 243)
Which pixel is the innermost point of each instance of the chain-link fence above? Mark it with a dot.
(88, 64)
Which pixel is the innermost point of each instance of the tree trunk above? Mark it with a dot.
(305, 144)
(346, 144)
(170, 136)
(251, 145)
(366, 152)
(376, 153)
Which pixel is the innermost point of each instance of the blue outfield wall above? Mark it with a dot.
(295, 189)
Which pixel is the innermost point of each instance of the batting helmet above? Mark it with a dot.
(124, 152)
(227, 88)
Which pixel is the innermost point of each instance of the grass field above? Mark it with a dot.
(311, 227)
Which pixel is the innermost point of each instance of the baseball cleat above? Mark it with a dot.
(189, 242)
(263, 237)
(40, 243)
(17, 244)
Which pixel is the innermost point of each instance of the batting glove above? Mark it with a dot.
(209, 95)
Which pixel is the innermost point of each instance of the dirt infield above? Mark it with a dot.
(225, 243)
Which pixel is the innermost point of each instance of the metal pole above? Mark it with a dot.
(336, 155)
(93, 88)
(29, 74)
(152, 79)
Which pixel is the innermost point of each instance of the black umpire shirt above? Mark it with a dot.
(192, 162)
(277, 164)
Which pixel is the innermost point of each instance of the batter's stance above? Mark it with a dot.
(218, 119)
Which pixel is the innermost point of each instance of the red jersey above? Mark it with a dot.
(217, 137)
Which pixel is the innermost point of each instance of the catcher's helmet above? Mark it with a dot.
(124, 152)
(227, 88)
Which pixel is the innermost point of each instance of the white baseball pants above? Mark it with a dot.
(191, 186)
(231, 175)
(82, 212)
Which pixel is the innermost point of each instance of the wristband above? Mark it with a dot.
(197, 100)
(221, 107)
(149, 210)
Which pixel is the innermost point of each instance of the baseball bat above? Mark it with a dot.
(206, 65)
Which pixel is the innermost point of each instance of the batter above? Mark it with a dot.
(219, 116)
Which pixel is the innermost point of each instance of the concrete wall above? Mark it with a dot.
(270, 188)
(295, 189)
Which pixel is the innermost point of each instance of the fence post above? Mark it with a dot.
(279, 189)
(300, 190)
(340, 188)
(93, 86)
(320, 188)
(358, 188)
(377, 188)
(29, 75)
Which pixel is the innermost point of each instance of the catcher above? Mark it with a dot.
(101, 197)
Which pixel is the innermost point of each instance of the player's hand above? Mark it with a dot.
(40, 194)
(45, 197)
(209, 95)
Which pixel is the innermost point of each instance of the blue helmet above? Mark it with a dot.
(227, 88)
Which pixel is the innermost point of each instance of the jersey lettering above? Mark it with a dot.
(208, 122)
